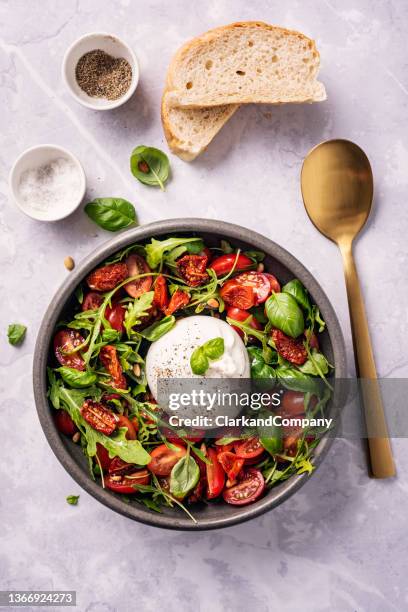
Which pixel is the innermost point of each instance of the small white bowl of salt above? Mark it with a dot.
(47, 182)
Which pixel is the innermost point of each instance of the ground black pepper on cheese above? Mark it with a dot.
(102, 76)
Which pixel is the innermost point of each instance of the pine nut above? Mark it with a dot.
(69, 263)
(213, 303)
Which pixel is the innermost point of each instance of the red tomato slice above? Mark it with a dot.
(225, 448)
(161, 295)
(64, 423)
(273, 281)
(259, 283)
(231, 464)
(92, 301)
(65, 341)
(125, 484)
(215, 475)
(115, 314)
(242, 315)
(238, 295)
(137, 265)
(123, 421)
(249, 448)
(250, 488)
(103, 457)
(118, 467)
(224, 264)
(164, 459)
(179, 299)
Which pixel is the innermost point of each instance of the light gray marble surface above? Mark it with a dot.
(340, 544)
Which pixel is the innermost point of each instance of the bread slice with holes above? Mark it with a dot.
(189, 131)
(242, 63)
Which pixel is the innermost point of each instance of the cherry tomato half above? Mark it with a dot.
(242, 315)
(224, 264)
(115, 314)
(125, 484)
(231, 464)
(164, 459)
(249, 488)
(259, 283)
(235, 294)
(103, 457)
(92, 301)
(64, 423)
(137, 265)
(215, 475)
(249, 448)
(65, 341)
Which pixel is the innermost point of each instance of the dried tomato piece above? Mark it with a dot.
(118, 467)
(110, 361)
(99, 417)
(92, 301)
(291, 349)
(161, 296)
(232, 465)
(107, 277)
(178, 300)
(192, 268)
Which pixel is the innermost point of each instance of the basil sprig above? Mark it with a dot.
(16, 333)
(184, 476)
(202, 355)
(284, 313)
(112, 214)
(150, 166)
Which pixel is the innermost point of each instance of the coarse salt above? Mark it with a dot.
(52, 186)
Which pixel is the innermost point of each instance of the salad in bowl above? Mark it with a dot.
(182, 306)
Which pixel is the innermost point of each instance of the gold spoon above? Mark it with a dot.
(337, 189)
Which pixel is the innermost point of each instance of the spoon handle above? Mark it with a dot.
(382, 463)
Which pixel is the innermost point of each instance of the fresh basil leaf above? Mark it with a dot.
(137, 310)
(112, 214)
(298, 291)
(316, 365)
(156, 249)
(214, 348)
(184, 477)
(76, 378)
(199, 362)
(271, 439)
(262, 373)
(158, 329)
(256, 256)
(150, 166)
(293, 379)
(72, 500)
(284, 313)
(16, 333)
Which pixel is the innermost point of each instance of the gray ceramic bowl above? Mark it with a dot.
(284, 265)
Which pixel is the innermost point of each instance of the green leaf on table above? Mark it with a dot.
(73, 500)
(150, 166)
(112, 214)
(16, 333)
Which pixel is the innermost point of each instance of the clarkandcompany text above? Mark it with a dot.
(272, 420)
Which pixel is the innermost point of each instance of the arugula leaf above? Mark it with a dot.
(72, 500)
(158, 329)
(184, 476)
(112, 214)
(76, 378)
(284, 313)
(138, 309)
(150, 166)
(130, 451)
(256, 256)
(16, 333)
(316, 365)
(210, 351)
(156, 249)
(226, 247)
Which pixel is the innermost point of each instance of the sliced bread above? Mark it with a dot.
(189, 131)
(248, 62)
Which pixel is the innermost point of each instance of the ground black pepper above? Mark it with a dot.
(102, 76)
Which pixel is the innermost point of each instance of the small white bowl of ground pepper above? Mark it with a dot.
(101, 71)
